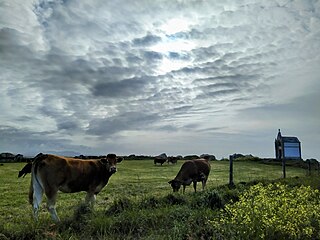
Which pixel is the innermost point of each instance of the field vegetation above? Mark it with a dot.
(138, 203)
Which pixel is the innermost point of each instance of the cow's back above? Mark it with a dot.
(203, 166)
(187, 170)
(54, 168)
(192, 169)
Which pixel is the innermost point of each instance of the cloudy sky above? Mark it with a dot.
(146, 77)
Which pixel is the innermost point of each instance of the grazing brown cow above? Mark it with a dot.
(191, 171)
(51, 173)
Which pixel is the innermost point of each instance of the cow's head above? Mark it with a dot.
(175, 184)
(111, 162)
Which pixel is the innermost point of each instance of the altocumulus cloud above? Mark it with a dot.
(145, 77)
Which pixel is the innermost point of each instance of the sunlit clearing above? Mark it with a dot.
(168, 65)
(173, 47)
(175, 25)
(180, 48)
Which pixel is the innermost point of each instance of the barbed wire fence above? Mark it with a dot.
(243, 171)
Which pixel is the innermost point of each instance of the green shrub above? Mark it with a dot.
(175, 199)
(150, 202)
(212, 199)
(274, 211)
(119, 206)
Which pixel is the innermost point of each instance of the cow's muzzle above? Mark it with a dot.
(113, 170)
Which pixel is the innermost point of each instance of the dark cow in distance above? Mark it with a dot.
(172, 160)
(51, 173)
(25, 170)
(191, 171)
(162, 158)
(159, 160)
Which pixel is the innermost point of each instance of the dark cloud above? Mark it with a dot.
(123, 122)
(147, 40)
(152, 56)
(31, 142)
(15, 54)
(68, 125)
(120, 89)
(218, 93)
(182, 109)
(179, 56)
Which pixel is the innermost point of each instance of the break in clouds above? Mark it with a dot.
(145, 77)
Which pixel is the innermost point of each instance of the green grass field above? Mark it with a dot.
(135, 180)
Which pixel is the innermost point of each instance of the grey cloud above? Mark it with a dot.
(179, 56)
(134, 59)
(13, 50)
(218, 93)
(148, 40)
(68, 125)
(205, 54)
(122, 122)
(167, 128)
(237, 86)
(120, 89)
(65, 74)
(189, 70)
(213, 129)
(182, 108)
(302, 109)
(152, 56)
(223, 85)
(9, 37)
(31, 143)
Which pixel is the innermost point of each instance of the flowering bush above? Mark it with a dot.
(275, 211)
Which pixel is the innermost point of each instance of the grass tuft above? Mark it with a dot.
(175, 199)
(119, 205)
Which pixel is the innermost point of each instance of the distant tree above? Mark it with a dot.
(190, 157)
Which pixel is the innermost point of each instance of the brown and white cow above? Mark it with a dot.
(191, 171)
(51, 173)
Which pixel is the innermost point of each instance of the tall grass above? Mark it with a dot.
(272, 211)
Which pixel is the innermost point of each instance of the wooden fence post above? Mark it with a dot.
(283, 167)
(231, 183)
(309, 167)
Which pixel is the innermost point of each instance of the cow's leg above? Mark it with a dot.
(195, 185)
(51, 204)
(204, 183)
(90, 198)
(31, 194)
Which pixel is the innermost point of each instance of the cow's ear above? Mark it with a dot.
(104, 160)
(111, 155)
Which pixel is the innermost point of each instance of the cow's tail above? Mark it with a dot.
(36, 188)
